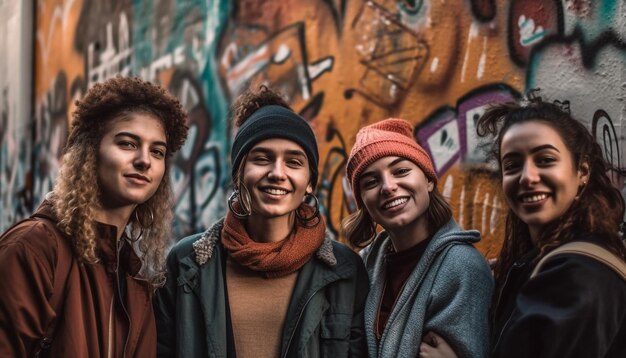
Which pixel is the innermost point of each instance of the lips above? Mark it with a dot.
(395, 202)
(138, 177)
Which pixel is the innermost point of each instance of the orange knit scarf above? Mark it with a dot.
(273, 259)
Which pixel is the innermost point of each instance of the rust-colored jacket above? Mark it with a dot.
(93, 321)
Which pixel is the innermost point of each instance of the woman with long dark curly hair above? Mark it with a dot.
(554, 179)
(78, 276)
(267, 280)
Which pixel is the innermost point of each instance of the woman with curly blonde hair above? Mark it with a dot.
(78, 276)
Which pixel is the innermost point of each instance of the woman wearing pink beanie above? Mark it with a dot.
(429, 285)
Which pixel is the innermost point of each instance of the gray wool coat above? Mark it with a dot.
(448, 292)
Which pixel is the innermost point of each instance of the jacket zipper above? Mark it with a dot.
(119, 295)
(506, 280)
(298, 321)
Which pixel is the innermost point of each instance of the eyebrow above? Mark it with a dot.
(288, 152)
(394, 162)
(138, 139)
(532, 151)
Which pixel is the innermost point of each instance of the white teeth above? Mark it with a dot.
(275, 191)
(396, 202)
(534, 198)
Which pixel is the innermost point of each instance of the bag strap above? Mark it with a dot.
(59, 290)
(586, 249)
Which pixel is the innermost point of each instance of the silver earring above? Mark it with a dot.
(231, 202)
(142, 225)
(316, 206)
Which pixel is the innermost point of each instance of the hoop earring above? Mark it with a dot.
(142, 226)
(316, 207)
(231, 200)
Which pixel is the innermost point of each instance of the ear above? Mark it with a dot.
(584, 171)
(431, 185)
(309, 189)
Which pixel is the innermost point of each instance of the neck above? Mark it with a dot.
(407, 236)
(262, 229)
(535, 233)
(117, 217)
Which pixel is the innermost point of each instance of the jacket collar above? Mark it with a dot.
(205, 246)
(106, 240)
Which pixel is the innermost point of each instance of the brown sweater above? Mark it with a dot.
(258, 307)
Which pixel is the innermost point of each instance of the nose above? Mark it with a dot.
(142, 159)
(389, 185)
(529, 175)
(277, 172)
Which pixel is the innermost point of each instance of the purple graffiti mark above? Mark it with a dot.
(391, 53)
(247, 55)
(449, 134)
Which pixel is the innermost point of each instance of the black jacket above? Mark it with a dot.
(574, 307)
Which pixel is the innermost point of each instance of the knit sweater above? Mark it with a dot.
(448, 292)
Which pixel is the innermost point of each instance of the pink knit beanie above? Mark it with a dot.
(382, 139)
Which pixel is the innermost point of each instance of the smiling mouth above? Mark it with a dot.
(274, 191)
(395, 203)
(533, 198)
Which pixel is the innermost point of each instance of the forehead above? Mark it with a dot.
(145, 126)
(387, 162)
(278, 145)
(525, 136)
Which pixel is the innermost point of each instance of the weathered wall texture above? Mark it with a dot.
(343, 64)
(16, 43)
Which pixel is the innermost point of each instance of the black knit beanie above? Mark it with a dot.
(275, 122)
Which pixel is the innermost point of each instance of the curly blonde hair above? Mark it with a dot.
(75, 197)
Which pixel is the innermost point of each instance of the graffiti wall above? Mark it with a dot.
(16, 34)
(342, 64)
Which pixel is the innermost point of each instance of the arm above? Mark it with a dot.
(573, 307)
(459, 304)
(26, 282)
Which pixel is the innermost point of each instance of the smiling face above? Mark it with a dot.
(277, 175)
(395, 193)
(131, 161)
(539, 178)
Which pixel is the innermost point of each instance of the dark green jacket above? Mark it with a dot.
(324, 318)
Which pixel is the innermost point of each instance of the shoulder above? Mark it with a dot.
(201, 245)
(32, 236)
(581, 273)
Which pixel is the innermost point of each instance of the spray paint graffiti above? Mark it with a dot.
(342, 64)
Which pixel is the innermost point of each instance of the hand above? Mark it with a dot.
(433, 346)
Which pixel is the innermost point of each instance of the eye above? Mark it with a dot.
(368, 183)
(158, 153)
(260, 159)
(296, 163)
(126, 144)
(509, 166)
(402, 171)
(546, 160)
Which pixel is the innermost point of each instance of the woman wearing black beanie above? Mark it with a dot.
(267, 280)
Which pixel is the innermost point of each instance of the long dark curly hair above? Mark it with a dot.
(76, 193)
(599, 209)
